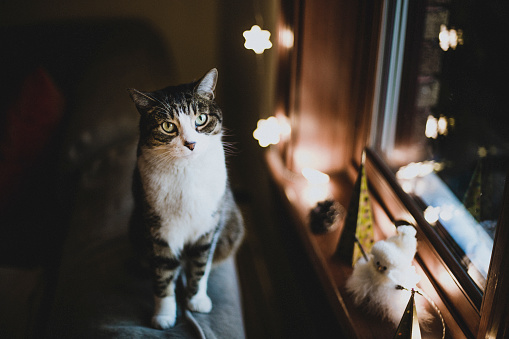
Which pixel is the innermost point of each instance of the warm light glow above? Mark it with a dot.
(431, 127)
(305, 156)
(446, 212)
(408, 175)
(435, 127)
(442, 126)
(257, 39)
(414, 170)
(269, 131)
(317, 188)
(407, 186)
(314, 176)
(286, 38)
(450, 38)
(482, 152)
(284, 125)
(312, 194)
(404, 154)
(431, 214)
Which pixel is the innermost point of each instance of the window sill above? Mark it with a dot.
(332, 272)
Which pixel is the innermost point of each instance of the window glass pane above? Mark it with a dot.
(450, 148)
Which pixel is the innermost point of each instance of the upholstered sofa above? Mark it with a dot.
(67, 145)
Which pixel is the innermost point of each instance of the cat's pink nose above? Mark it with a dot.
(190, 144)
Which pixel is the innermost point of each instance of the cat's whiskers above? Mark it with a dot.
(163, 158)
(226, 132)
(229, 148)
(158, 155)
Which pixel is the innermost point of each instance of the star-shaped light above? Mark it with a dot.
(257, 39)
(269, 131)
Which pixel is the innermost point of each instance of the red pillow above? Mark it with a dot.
(30, 123)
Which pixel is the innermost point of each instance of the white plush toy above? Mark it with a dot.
(376, 281)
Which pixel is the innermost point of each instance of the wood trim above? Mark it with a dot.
(334, 85)
(290, 19)
(290, 13)
(366, 70)
(494, 310)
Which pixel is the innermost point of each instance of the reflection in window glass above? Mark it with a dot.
(450, 148)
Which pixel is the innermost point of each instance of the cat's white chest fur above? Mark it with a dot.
(185, 194)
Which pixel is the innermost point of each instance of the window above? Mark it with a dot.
(418, 83)
(441, 119)
(440, 126)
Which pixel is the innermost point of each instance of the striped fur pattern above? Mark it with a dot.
(185, 217)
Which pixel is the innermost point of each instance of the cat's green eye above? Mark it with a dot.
(201, 120)
(169, 127)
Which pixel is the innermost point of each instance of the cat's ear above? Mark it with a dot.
(207, 84)
(142, 100)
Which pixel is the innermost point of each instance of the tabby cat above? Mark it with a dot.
(184, 208)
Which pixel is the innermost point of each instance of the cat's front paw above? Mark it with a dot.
(200, 303)
(163, 322)
(165, 313)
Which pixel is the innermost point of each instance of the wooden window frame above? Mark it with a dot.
(474, 314)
